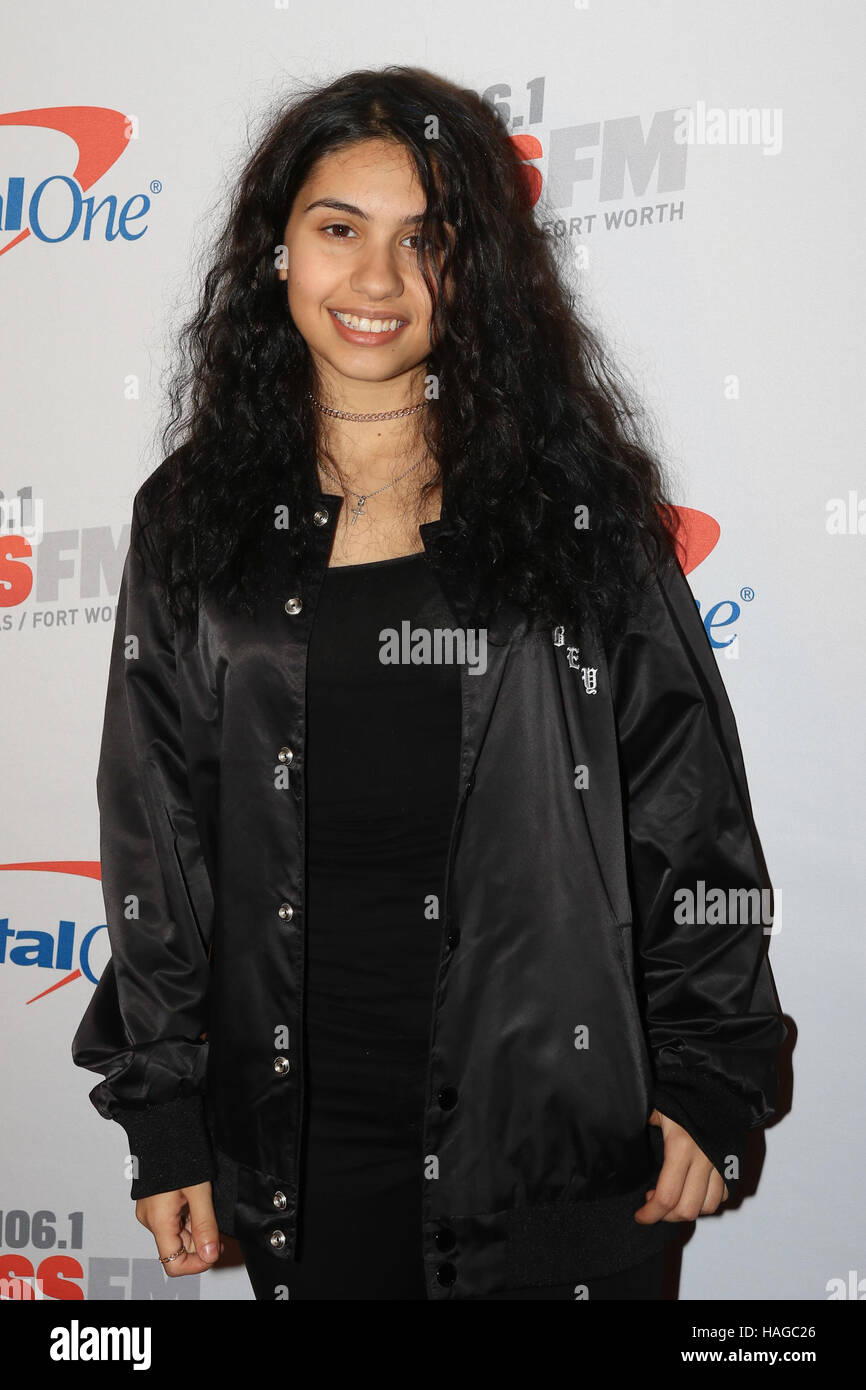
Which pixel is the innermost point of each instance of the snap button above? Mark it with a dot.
(445, 1239)
(277, 1239)
(285, 755)
(280, 1201)
(320, 516)
(293, 605)
(446, 1274)
(281, 1065)
(447, 1097)
(286, 911)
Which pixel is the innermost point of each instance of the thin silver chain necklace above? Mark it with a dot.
(362, 496)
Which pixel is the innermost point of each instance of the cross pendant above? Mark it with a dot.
(359, 507)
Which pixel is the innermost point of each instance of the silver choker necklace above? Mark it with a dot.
(377, 415)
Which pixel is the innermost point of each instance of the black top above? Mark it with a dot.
(383, 748)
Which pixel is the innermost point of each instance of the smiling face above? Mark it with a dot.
(351, 240)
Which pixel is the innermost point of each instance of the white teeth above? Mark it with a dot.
(367, 325)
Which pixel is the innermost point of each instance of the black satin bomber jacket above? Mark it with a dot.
(569, 999)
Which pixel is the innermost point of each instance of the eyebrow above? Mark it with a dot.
(334, 203)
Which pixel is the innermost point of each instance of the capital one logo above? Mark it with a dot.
(56, 207)
(66, 947)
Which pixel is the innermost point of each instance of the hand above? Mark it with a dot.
(187, 1218)
(688, 1185)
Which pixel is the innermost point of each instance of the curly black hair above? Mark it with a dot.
(531, 421)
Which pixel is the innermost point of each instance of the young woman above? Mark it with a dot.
(417, 767)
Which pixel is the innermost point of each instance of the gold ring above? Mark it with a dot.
(167, 1259)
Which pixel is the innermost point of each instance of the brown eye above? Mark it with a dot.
(341, 226)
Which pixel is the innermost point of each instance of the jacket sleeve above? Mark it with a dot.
(143, 1027)
(711, 1016)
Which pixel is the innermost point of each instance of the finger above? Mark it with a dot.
(694, 1192)
(668, 1189)
(188, 1238)
(171, 1238)
(186, 1234)
(203, 1224)
(716, 1192)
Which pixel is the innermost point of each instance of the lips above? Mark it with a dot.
(366, 337)
(355, 318)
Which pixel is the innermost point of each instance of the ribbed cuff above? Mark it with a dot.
(170, 1143)
(708, 1110)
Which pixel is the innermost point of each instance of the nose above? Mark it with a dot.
(376, 274)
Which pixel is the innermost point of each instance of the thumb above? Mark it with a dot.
(202, 1222)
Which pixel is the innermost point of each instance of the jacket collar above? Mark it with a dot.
(455, 567)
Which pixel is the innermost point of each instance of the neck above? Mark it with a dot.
(369, 453)
(368, 461)
(387, 499)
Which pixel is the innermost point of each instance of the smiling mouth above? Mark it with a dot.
(368, 325)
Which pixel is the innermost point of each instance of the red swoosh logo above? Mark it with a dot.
(81, 868)
(67, 980)
(100, 133)
(697, 536)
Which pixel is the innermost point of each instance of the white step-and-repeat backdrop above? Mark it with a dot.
(727, 276)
